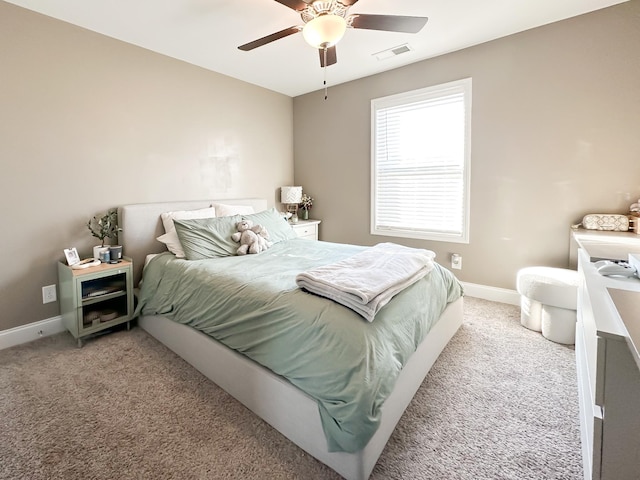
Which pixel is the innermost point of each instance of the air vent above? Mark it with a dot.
(393, 52)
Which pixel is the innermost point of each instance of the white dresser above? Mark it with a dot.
(602, 244)
(608, 366)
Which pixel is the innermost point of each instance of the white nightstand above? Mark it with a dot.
(307, 229)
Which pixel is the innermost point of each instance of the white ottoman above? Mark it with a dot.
(548, 302)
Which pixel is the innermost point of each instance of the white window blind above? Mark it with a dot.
(420, 163)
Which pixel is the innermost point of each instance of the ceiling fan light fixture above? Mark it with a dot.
(324, 31)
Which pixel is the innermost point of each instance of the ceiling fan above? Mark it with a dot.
(325, 22)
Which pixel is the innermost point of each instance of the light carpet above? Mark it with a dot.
(500, 403)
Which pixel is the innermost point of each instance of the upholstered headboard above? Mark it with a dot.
(141, 225)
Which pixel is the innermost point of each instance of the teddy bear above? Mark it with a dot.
(263, 236)
(250, 241)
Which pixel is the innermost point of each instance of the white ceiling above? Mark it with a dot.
(207, 33)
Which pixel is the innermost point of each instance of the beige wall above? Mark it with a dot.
(88, 123)
(556, 112)
(555, 135)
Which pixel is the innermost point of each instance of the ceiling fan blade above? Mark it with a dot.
(332, 57)
(297, 5)
(269, 38)
(389, 23)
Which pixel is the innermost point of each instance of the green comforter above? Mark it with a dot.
(252, 304)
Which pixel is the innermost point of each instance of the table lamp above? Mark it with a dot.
(291, 198)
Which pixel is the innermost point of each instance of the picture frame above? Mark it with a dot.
(72, 256)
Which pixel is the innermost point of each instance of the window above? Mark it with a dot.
(420, 150)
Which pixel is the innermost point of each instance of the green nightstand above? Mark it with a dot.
(95, 298)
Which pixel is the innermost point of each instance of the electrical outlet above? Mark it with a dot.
(456, 261)
(49, 294)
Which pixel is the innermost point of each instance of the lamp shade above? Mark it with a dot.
(290, 194)
(324, 31)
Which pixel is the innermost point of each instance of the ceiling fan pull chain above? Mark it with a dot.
(325, 74)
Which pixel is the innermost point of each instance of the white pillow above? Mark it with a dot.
(170, 238)
(167, 217)
(223, 210)
(172, 243)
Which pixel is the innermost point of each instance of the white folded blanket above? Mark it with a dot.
(367, 281)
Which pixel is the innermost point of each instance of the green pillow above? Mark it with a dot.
(207, 237)
(275, 224)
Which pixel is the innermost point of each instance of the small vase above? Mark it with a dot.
(305, 215)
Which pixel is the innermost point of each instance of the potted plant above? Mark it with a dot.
(305, 205)
(103, 227)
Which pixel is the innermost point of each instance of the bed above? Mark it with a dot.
(290, 409)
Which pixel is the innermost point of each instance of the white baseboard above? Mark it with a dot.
(495, 294)
(30, 332)
(51, 326)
